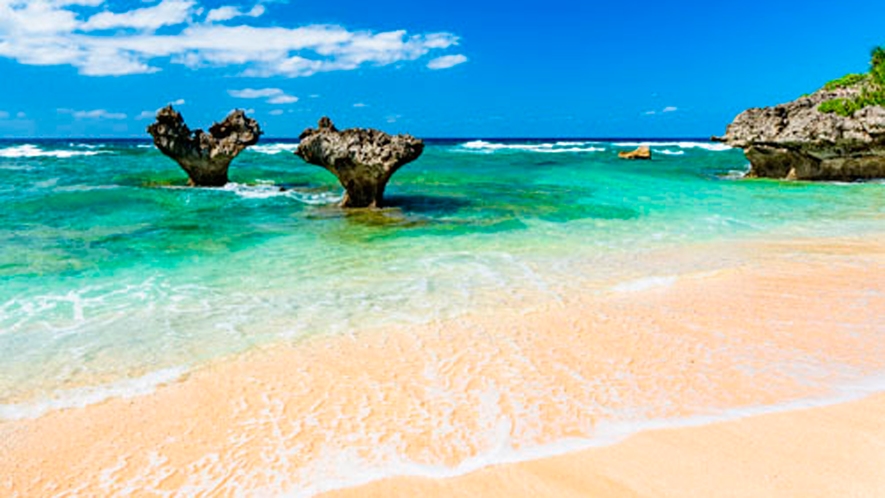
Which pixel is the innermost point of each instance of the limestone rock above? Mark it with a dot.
(642, 152)
(362, 159)
(205, 157)
(795, 141)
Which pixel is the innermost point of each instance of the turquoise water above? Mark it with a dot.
(114, 273)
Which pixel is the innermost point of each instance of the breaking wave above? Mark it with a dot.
(710, 146)
(549, 148)
(28, 150)
(274, 149)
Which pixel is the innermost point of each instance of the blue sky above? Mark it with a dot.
(437, 68)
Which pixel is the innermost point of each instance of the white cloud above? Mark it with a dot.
(228, 12)
(178, 102)
(21, 115)
(360, 104)
(447, 61)
(276, 112)
(4, 115)
(273, 95)
(72, 32)
(650, 113)
(146, 115)
(165, 13)
(95, 114)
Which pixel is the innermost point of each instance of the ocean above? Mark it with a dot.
(117, 279)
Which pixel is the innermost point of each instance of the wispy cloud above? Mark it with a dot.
(75, 33)
(447, 61)
(165, 13)
(669, 108)
(4, 115)
(228, 12)
(21, 115)
(273, 95)
(94, 114)
(276, 112)
(359, 105)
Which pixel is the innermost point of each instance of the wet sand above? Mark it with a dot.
(796, 321)
(819, 452)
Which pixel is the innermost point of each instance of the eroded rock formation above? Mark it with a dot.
(362, 159)
(205, 157)
(642, 152)
(796, 141)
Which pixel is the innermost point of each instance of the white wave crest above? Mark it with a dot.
(549, 148)
(710, 146)
(28, 150)
(667, 152)
(274, 149)
(85, 396)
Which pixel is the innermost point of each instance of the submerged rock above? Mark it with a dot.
(205, 157)
(362, 159)
(642, 152)
(796, 141)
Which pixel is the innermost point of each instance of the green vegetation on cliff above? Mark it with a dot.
(871, 93)
(845, 81)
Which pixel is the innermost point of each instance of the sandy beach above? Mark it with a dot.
(798, 324)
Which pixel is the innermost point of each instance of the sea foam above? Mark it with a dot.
(267, 190)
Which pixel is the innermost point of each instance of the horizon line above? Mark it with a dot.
(587, 139)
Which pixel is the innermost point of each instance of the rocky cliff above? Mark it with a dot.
(797, 141)
(205, 157)
(362, 159)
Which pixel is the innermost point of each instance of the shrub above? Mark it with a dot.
(871, 94)
(845, 81)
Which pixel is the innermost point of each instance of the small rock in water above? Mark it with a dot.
(642, 152)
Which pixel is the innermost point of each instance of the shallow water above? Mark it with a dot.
(114, 276)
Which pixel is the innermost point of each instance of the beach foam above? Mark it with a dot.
(85, 396)
(645, 284)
